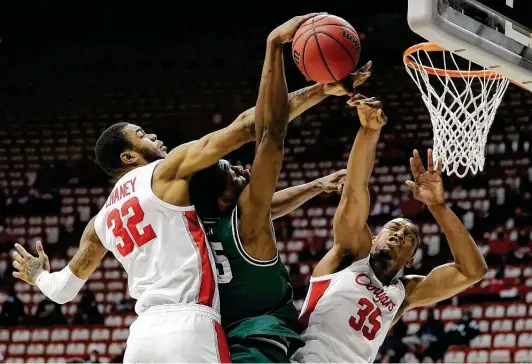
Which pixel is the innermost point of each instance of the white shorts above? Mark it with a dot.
(177, 334)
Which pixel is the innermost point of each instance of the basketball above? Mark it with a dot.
(326, 48)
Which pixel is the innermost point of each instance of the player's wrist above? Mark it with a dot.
(437, 207)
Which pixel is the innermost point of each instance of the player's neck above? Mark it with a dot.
(381, 272)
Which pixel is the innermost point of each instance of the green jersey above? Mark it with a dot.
(248, 287)
(255, 295)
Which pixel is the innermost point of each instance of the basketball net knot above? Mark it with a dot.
(462, 105)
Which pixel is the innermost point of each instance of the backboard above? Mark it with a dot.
(496, 34)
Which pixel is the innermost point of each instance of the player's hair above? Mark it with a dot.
(109, 146)
(205, 187)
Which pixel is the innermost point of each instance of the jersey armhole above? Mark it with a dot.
(326, 277)
(156, 199)
(240, 247)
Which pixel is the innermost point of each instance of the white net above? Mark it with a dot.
(462, 104)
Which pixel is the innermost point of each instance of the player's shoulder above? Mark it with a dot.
(410, 283)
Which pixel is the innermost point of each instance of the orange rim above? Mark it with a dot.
(431, 47)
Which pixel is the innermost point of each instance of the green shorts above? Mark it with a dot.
(256, 351)
(263, 339)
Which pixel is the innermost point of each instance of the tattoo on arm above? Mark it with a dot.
(83, 259)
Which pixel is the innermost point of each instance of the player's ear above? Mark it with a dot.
(129, 157)
(224, 203)
(410, 263)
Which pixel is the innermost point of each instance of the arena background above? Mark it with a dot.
(69, 71)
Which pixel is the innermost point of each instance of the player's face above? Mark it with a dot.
(147, 146)
(395, 244)
(236, 179)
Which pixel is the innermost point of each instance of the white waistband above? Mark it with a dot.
(184, 307)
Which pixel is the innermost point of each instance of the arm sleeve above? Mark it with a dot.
(60, 287)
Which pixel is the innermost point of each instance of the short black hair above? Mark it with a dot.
(109, 146)
(205, 187)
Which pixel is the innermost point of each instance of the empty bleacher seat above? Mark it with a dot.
(477, 356)
(55, 349)
(79, 334)
(500, 356)
(504, 341)
(454, 357)
(481, 341)
(523, 356)
(525, 340)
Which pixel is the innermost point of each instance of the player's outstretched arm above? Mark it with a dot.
(271, 119)
(289, 199)
(469, 265)
(350, 230)
(191, 157)
(62, 286)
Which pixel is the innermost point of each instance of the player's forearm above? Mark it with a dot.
(289, 199)
(60, 287)
(299, 101)
(466, 254)
(271, 110)
(355, 195)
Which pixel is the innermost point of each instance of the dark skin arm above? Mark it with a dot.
(289, 199)
(83, 263)
(469, 266)
(271, 120)
(350, 230)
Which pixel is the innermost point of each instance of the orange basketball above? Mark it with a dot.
(326, 48)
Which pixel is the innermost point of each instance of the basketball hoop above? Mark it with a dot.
(462, 104)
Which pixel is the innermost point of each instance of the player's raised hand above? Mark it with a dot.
(348, 85)
(334, 182)
(369, 111)
(428, 185)
(285, 32)
(27, 267)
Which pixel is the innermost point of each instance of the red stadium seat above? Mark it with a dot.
(477, 356)
(523, 356)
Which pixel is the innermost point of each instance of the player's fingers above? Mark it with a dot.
(383, 119)
(439, 166)
(303, 18)
(16, 257)
(17, 265)
(40, 249)
(372, 103)
(17, 275)
(359, 79)
(366, 67)
(430, 162)
(413, 168)
(353, 100)
(418, 162)
(412, 186)
(22, 251)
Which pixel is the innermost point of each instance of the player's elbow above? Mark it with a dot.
(477, 273)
